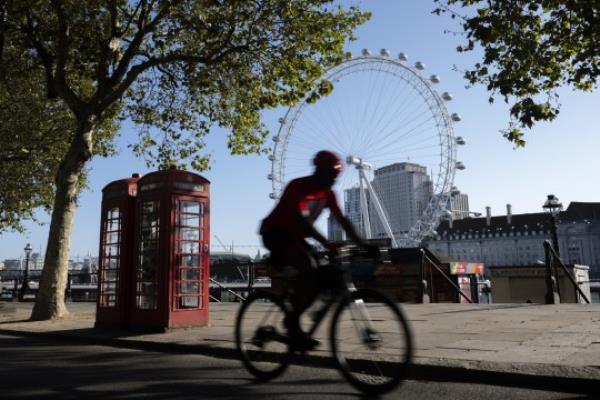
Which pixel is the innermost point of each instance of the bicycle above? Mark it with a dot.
(375, 361)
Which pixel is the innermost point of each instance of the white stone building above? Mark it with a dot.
(518, 239)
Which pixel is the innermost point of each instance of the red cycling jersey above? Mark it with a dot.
(300, 195)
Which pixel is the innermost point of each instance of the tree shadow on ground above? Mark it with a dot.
(38, 369)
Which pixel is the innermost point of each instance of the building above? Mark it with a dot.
(353, 211)
(12, 264)
(404, 190)
(335, 233)
(517, 239)
(458, 204)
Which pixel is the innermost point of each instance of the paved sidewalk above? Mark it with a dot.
(546, 346)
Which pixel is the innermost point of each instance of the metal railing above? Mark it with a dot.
(227, 289)
(443, 274)
(552, 285)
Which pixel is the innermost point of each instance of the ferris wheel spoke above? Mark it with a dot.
(405, 123)
(335, 114)
(391, 116)
(397, 139)
(320, 132)
(412, 126)
(410, 151)
(317, 134)
(361, 128)
(336, 131)
(398, 114)
(381, 133)
(370, 127)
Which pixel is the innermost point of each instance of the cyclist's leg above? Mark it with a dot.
(305, 287)
(289, 251)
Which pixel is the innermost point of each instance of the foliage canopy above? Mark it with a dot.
(175, 68)
(530, 49)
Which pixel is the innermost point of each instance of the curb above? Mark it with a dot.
(421, 371)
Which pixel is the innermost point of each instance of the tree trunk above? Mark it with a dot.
(50, 299)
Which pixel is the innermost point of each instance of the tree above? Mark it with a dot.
(530, 49)
(174, 67)
(34, 134)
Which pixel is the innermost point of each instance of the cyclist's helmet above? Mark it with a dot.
(325, 159)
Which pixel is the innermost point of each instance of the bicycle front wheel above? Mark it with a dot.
(261, 337)
(371, 342)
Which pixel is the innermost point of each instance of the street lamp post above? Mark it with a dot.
(554, 207)
(25, 285)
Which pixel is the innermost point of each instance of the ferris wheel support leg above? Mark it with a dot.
(380, 212)
(364, 207)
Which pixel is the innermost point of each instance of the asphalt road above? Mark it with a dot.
(36, 369)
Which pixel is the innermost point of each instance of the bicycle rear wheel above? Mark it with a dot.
(261, 337)
(371, 342)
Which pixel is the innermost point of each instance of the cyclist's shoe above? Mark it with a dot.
(298, 338)
(302, 342)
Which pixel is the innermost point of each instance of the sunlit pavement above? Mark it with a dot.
(528, 345)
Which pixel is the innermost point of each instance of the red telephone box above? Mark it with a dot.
(171, 256)
(115, 260)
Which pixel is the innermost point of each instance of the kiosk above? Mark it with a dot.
(154, 252)
(115, 259)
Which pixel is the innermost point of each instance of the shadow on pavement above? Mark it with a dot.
(37, 369)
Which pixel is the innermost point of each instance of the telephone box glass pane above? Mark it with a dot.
(189, 220)
(190, 207)
(188, 248)
(190, 260)
(147, 263)
(109, 258)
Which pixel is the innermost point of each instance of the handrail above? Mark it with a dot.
(444, 275)
(556, 257)
(229, 290)
(214, 298)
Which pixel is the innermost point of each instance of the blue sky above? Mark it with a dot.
(560, 157)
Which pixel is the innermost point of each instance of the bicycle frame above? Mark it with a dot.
(357, 307)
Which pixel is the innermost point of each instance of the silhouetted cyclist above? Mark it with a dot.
(285, 230)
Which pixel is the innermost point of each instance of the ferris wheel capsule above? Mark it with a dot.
(402, 57)
(271, 157)
(447, 96)
(434, 79)
(456, 118)
(270, 177)
(419, 65)
(460, 165)
(281, 120)
(366, 52)
(276, 139)
(460, 141)
(384, 52)
(272, 196)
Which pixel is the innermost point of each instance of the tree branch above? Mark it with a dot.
(2, 29)
(46, 58)
(62, 53)
(132, 49)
